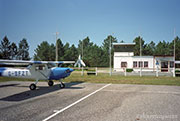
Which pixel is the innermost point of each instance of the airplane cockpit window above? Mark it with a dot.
(60, 65)
(51, 65)
(40, 67)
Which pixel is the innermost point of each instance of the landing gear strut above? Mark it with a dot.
(62, 85)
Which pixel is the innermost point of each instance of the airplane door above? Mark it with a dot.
(40, 72)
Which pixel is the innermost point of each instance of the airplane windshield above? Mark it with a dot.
(51, 65)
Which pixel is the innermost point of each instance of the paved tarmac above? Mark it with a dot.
(89, 102)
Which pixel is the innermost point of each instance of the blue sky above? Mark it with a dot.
(38, 20)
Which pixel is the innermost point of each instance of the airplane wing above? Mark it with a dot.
(24, 62)
(14, 62)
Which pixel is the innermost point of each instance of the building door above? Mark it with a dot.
(164, 66)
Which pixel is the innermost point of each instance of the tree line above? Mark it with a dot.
(92, 54)
(161, 48)
(11, 51)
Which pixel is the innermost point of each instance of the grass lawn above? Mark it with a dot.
(116, 79)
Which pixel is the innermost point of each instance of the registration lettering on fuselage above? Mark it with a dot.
(17, 73)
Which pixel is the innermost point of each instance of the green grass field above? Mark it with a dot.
(116, 79)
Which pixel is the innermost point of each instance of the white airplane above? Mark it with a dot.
(38, 70)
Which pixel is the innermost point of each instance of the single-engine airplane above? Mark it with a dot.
(38, 70)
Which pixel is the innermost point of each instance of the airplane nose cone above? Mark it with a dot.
(71, 69)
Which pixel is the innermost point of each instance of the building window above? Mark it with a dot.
(145, 64)
(140, 64)
(134, 64)
(171, 64)
(123, 64)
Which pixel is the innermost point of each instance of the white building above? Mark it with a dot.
(124, 58)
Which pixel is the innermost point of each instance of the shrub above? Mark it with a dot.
(129, 70)
(177, 71)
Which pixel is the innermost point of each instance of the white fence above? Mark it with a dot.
(124, 71)
(147, 72)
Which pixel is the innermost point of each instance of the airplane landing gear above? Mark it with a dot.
(50, 83)
(32, 87)
(62, 85)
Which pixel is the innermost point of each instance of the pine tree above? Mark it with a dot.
(13, 51)
(106, 49)
(5, 48)
(60, 49)
(137, 40)
(45, 52)
(23, 50)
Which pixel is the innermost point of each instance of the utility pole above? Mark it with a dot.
(174, 73)
(110, 46)
(82, 59)
(141, 63)
(82, 49)
(57, 33)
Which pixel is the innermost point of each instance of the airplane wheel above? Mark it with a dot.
(50, 83)
(62, 85)
(32, 87)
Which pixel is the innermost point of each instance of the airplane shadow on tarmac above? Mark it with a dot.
(41, 90)
(8, 85)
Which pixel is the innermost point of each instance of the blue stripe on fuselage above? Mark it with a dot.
(59, 73)
(2, 70)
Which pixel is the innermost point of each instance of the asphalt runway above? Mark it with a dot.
(89, 102)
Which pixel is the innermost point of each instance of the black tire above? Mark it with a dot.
(32, 87)
(50, 83)
(62, 85)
